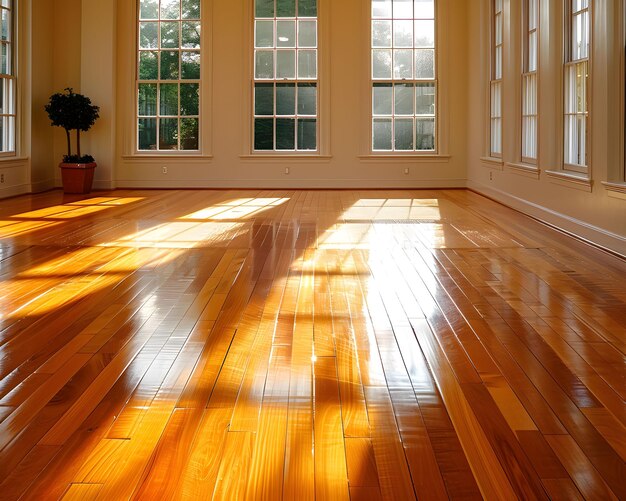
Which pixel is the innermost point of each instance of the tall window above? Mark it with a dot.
(576, 80)
(168, 71)
(403, 75)
(529, 81)
(285, 75)
(495, 85)
(7, 79)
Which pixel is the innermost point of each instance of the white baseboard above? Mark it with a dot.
(12, 191)
(581, 229)
(39, 186)
(304, 184)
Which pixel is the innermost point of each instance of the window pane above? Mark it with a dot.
(532, 51)
(307, 8)
(264, 8)
(169, 65)
(170, 9)
(307, 134)
(190, 66)
(147, 133)
(403, 134)
(286, 33)
(170, 35)
(307, 33)
(285, 8)
(424, 33)
(285, 99)
(381, 8)
(382, 134)
(286, 64)
(148, 35)
(189, 99)
(264, 34)
(404, 96)
(403, 33)
(168, 99)
(425, 134)
(402, 9)
(147, 99)
(263, 133)
(307, 64)
(264, 66)
(148, 66)
(424, 9)
(402, 63)
(189, 133)
(191, 35)
(381, 63)
(264, 99)
(382, 99)
(168, 133)
(381, 34)
(285, 134)
(307, 99)
(425, 99)
(149, 9)
(424, 63)
(191, 9)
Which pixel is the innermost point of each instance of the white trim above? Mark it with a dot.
(493, 162)
(592, 234)
(570, 179)
(12, 191)
(615, 187)
(528, 170)
(293, 182)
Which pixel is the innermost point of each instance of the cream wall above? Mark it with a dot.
(586, 207)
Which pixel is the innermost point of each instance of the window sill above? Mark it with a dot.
(287, 157)
(404, 157)
(523, 169)
(615, 189)
(492, 162)
(571, 179)
(7, 162)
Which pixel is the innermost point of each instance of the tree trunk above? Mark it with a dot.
(69, 143)
(78, 142)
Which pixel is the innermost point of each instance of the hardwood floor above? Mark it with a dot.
(305, 345)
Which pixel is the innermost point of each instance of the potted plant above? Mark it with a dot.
(74, 111)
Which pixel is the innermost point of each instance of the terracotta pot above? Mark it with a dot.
(77, 178)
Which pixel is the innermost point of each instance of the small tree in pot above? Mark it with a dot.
(74, 112)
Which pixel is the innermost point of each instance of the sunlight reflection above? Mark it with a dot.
(236, 209)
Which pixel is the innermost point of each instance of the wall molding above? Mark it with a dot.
(589, 233)
(15, 190)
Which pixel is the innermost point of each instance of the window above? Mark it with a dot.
(7, 79)
(168, 84)
(285, 76)
(529, 81)
(404, 86)
(576, 80)
(495, 85)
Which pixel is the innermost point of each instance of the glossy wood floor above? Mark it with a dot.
(305, 345)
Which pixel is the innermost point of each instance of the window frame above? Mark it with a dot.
(415, 82)
(202, 106)
(10, 78)
(529, 76)
(569, 66)
(495, 79)
(276, 81)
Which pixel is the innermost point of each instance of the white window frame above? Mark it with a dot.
(530, 86)
(398, 82)
(495, 79)
(577, 66)
(8, 115)
(160, 81)
(275, 81)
